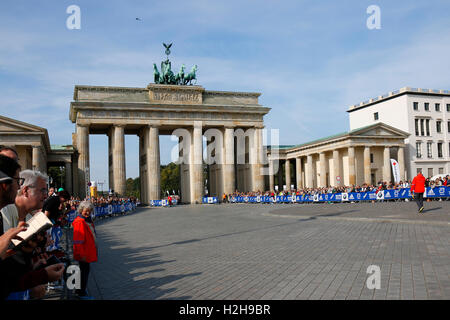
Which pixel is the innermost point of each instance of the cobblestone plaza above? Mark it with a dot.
(274, 251)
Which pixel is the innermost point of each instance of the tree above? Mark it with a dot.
(58, 177)
(133, 187)
(170, 178)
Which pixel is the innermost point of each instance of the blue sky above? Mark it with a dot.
(309, 59)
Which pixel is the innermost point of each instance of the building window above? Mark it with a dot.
(416, 106)
(418, 149)
(427, 123)
(427, 106)
(437, 106)
(448, 107)
(416, 125)
(421, 127)
(438, 126)
(429, 149)
(430, 172)
(448, 126)
(371, 158)
(441, 170)
(439, 147)
(375, 116)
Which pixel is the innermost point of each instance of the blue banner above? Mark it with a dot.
(395, 194)
(105, 210)
(209, 200)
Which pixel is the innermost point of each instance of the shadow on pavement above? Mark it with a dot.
(130, 273)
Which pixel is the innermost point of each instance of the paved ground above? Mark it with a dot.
(281, 251)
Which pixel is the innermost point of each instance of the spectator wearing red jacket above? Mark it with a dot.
(84, 244)
(417, 189)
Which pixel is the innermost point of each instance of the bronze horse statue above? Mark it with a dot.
(156, 74)
(190, 76)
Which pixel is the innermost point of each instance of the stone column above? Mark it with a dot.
(351, 166)
(336, 168)
(68, 167)
(228, 167)
(367, 165)
(287, 173)
(298, 173)
(257, 177)
(36, 158)
(196, 166)
(119, 160)
(323, 169)
(153, 164)
(387, 164)
(309, 171)
(271, 177)
(83, 158)
(401, 162)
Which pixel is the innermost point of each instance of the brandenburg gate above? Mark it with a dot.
(187, 111)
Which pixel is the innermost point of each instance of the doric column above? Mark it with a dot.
(323, 169)
(36, 158)
(196, 166)
(271, 177)
(309, 171)
(336, 168)
(83, 158)
(68, 186)
(401, 162)
(153, 164)
(119, 160)
(228, 167)
(287, 173)
(386, 164)
(298, 173)
(367, 165)
(256, 163)
(351, 166)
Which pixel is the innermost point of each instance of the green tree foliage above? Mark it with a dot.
(58, 176)
(133, 188)
(170, 178)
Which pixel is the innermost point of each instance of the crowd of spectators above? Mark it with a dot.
(382, 185)
(27, 270)
(102, 201)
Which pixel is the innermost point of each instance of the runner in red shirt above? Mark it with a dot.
(417, 189)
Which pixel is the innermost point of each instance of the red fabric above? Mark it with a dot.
(418, 184)
(83, 241)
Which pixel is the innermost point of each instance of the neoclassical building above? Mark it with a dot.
(350, 158)
(189, 112)
(424, 113)
(33, 146)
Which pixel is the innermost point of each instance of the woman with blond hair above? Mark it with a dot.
(84, 243)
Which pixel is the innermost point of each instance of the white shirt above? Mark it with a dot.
(10, 217)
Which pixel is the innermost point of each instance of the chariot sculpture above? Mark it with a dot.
(166, 76)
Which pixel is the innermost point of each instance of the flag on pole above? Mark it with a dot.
(395, 170)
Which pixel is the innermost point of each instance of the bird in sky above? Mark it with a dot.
(138, 19)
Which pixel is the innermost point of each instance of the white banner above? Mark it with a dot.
(395, 170)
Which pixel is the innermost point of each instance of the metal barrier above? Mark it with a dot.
(106, 210)
(396, 194)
